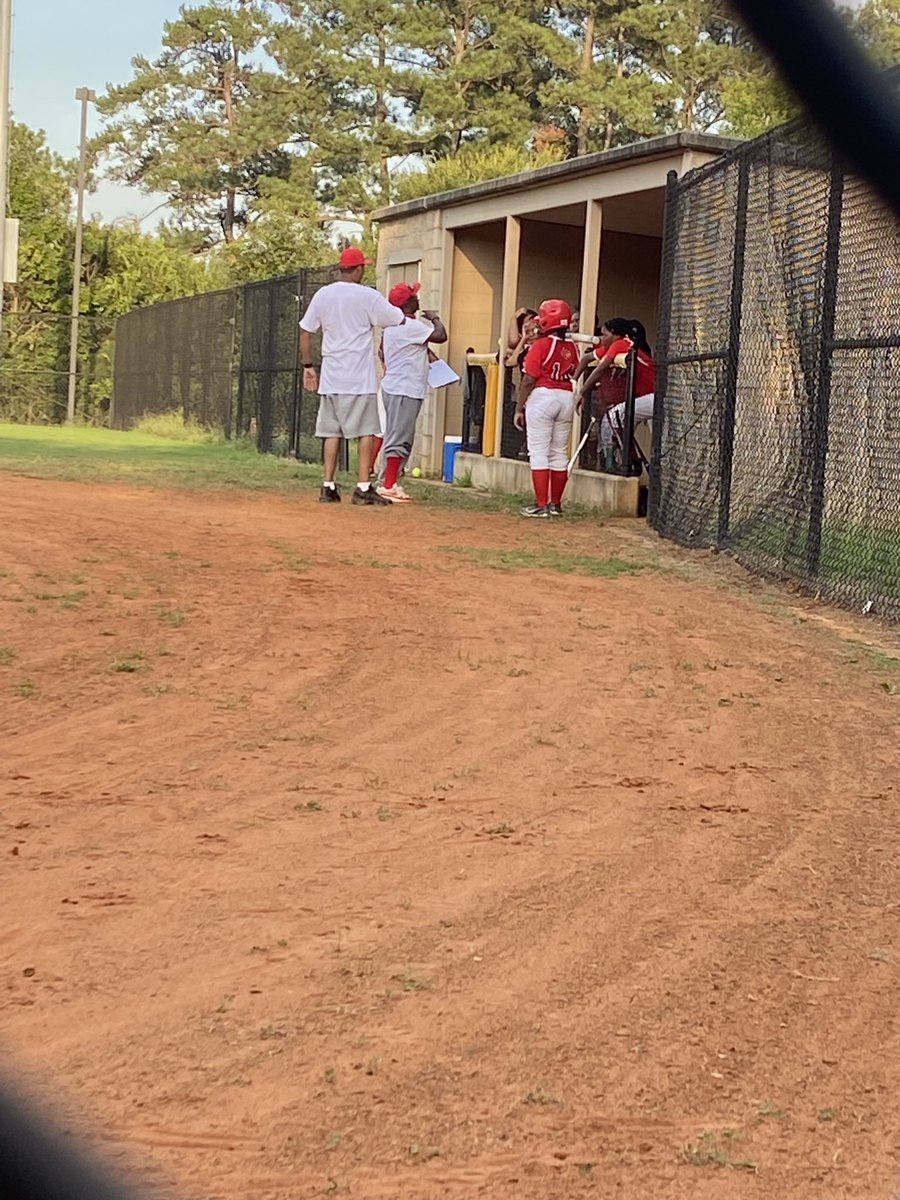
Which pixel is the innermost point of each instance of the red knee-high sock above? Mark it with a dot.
(541, 481)
(377, 443)
(558, 481)
(391, 471)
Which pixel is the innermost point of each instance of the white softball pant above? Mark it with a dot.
(549, 414)
(613, 423)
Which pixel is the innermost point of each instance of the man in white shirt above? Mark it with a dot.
(405, 382)
(346, 312)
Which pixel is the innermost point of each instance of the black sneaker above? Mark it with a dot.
(555, 510)
(330, 495)
(535, 510)
(369, 496)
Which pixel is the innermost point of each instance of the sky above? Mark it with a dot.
(60, 45)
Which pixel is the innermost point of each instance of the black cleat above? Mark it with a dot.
(369, 496)
(330, 495)
(536, 510)
(555, 510)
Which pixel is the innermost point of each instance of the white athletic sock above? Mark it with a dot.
(363, 487)
(329, 483)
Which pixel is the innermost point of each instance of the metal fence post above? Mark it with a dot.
(297, 375)
(822, 398)
(733, 359)
(628, 427)
(664, 329)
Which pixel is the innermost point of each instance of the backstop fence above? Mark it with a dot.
(777, 425)
(228, 360)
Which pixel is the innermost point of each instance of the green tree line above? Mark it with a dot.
(264, 122)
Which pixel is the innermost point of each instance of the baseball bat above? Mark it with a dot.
(580, 447)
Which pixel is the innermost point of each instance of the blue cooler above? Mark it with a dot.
(451, 449)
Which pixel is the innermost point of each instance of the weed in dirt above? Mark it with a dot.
(233, 704)
(375, 782)
(649, 693)
(373, 1066)
(406, 904)
(765, 1109)
(172, 553)
(424, 1153)
(282, 942)
(227, 1000)
(157, 689)
(544, 558)
(271, 1031)
(132, 594)
(412, 982)
(713, 1149)
(385, 814)
(584, 1168)
(171, 616)
(309, 806)
(26, 689)
(331, 1075)
(540, 1098)
(517, 672)
(46, 596)
(502, 829)
(333, 1141)
(291, 560)
(72, 599)
(7, 654)
(129, 663)
(827, 1114)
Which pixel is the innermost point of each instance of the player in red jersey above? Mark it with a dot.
(546, 388)
(617, 336)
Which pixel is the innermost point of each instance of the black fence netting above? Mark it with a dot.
(270, 392)
(777, 433)
(227, 360)
(177, 356)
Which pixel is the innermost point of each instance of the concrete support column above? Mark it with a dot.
(508, 297)
(437, 425)
(590, 280)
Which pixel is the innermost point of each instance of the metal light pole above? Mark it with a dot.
(86, 96)
(5, 54)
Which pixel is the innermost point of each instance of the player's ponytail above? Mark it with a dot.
(638, 335)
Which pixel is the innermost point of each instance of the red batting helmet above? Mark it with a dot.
(554, 314)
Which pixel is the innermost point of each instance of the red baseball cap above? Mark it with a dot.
(402, 293)
(354, 257)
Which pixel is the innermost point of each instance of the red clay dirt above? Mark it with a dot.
(336, 863)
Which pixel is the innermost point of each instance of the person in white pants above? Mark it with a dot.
(546, 389)
(617, 336)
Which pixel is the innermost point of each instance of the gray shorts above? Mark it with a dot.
(346, 416)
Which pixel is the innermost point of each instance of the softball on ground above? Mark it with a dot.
(416, 472)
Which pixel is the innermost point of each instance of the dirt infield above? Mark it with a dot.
(337, 862)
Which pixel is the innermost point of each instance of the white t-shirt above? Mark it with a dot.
(347, 313)
(406, 358)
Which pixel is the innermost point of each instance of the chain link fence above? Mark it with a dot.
(228, 360)
(777, 431)
(34, 367)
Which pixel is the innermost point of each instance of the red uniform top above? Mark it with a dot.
(645, 368)
(551, 362)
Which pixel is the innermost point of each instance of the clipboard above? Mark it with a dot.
(441, 375)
